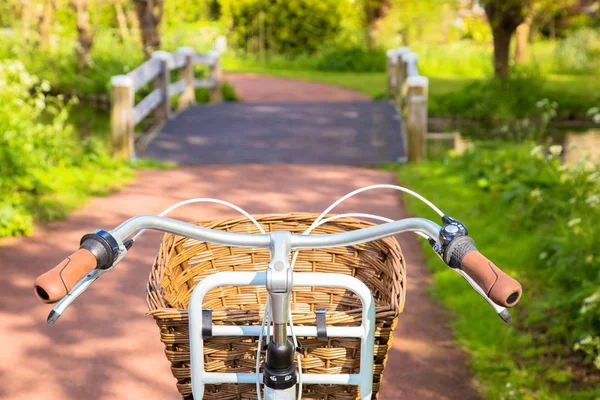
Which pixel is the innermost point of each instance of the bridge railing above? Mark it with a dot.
(409, 91)
(126, 114)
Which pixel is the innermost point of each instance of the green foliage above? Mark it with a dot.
(497, 101)
(289, 27)
(228, 92)
(58, 65)
(44, 171)
(560, 203)
(536, 219)
(579, 53)
(353, 59)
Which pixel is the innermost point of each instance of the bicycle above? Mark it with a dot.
(102, 250)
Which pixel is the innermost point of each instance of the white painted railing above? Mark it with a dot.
(125, 114)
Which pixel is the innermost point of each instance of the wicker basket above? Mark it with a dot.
(182, 262)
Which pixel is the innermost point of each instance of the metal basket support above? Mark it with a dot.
(365, 332)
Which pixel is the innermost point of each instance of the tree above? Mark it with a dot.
(522, 39)
(47, 23)
(85, 35)
(121, 19)
(149, 14)
(504, 17)
(540, 11)
(375, 12)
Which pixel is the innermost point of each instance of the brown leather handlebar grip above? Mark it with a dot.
(56, 283)
(501, 288)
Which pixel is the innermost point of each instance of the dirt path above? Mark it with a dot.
(105, 347)
(260, 88)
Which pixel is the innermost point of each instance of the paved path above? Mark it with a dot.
(283, 121)
(338, 133)
(104, 347)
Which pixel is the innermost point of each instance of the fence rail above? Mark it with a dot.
(125, 114)
(409, 91)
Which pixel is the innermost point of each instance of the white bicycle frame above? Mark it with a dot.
(279, 280)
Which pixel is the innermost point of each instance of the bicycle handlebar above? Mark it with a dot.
(499, 287)
(55, 284)
(105, 249)
(256, 240)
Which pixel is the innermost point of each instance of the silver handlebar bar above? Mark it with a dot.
(257, 240)
(296, 241)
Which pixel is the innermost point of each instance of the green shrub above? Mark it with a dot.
(45, 171)
(228, 92)
(294, 27)
(537, 219)
(354, 59)
(579, 53)
(560, 204)
(497, 100)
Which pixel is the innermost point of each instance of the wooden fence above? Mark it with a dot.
(409, 91)
(125, 114)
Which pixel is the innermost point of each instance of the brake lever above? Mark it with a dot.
(83, 285)
(500, 310)
(77, 290)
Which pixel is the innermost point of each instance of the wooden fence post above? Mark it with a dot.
(391, 65)
(404, 57)
(188, 97)
(416, 117)
(215, 74)
(410, 60)
(162, 80)
(220, 44)
(121, 117)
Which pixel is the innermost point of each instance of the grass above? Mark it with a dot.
(506, 362)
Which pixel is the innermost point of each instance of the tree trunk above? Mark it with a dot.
(85, 35)
(134, 22)
(121, 19)
(26, 12)
(375, 12)
(149, 13)
(501, 52)
(522, 42)
(504, 16)
(47, 22)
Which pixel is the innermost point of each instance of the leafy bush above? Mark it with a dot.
(560, 204)
(498, 100)
(295, 27)
(45, 171)
(579, 53)
(537, 219)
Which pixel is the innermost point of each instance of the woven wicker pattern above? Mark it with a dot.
(182, 263)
